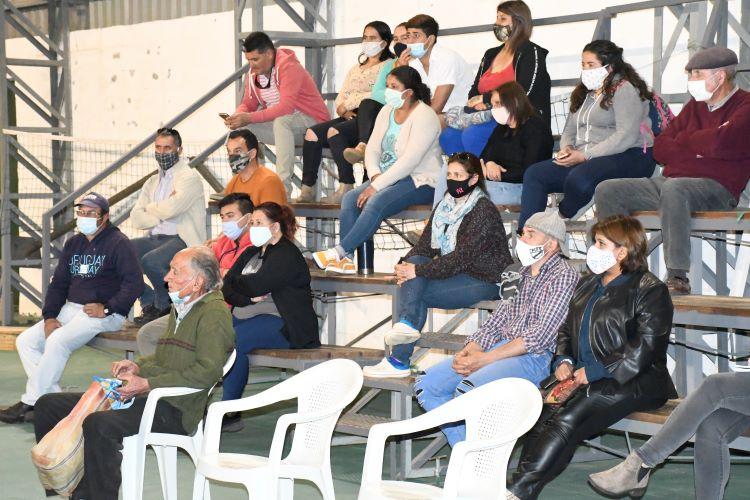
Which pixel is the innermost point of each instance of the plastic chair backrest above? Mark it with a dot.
(501, 410)
(328, 386)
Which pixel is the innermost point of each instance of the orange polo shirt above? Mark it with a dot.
(264, 185)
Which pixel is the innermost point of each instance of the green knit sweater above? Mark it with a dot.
(192, 356)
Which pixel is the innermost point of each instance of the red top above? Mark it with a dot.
(490, 81)
(713, 145)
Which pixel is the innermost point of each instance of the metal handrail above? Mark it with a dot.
(65, 202)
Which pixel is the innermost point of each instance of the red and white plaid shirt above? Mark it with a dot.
(536, 313)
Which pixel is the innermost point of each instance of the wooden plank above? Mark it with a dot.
(8, 335)
(711, 304)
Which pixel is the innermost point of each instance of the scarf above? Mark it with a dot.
(447, 218)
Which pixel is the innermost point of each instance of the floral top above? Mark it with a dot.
(357, 85)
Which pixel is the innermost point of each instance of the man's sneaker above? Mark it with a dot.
(15, 414)
(387, 368)
(629, 477)
(401, 333)
(678, 286)
(343, 266)
(232, 422)
(325, 258)
(149, 314)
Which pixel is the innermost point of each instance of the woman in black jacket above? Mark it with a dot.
(268, 288)
(613, 343)
(516, 59)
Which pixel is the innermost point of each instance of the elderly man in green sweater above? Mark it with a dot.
(191, 353)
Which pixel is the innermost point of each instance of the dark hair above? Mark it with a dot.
(522, 22)
(471, 165)
(425, 23)
(257, 40)
(250, 140)
(243, 201)
(513, 98)
(625, 232)
(282, 214)
(609, 54)
(170, 132)
(410, 79)
(384, 32)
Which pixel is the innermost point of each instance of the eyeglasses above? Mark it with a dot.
(88, 213)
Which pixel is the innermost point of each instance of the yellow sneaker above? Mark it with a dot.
(325, 258)
(343, 266)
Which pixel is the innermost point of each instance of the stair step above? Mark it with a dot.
(403, 384)
(447, 341)
(359, 424)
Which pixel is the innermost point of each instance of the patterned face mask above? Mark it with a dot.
(167, 160)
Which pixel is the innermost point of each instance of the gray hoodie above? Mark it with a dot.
(603, 132)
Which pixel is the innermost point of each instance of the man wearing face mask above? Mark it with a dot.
(172, 209)
(518, 340)
(443, 70)
(250, 177)
(94, 286)
(705, 156)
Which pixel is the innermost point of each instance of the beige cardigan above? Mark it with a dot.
(187, 205)
(418, 151)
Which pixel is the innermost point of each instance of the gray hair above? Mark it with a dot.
(203, 261)
(729, 71)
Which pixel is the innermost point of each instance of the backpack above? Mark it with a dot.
(661, 116)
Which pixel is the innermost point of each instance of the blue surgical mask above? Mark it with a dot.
(416, 49)
(175, 296)
(231, 229)
(87, 225)
(394, 98)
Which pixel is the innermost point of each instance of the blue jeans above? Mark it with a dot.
(441, 384)
(578, 183)
(358, 226)
(472, 139)
(419, 294)
(500, 193)
(156, 253)
(259, 332)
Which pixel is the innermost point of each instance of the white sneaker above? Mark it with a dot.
(325, 258)
(401, 333)
(385, 369)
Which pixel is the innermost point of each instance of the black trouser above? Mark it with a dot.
(351, 133)
(312, 151)
(103, 433)
(550, 444)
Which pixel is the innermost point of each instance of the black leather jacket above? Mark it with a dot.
(628, 330)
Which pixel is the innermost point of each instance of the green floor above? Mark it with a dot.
(19, 481)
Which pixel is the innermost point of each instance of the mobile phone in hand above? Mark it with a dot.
(223, 116)
(560, 156)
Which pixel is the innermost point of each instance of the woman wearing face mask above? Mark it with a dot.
(521, 138)
(515, 59)
(607, 135)
(376, 41)
(269, 291)
(457, 262)
(613, 343)
(403, 161)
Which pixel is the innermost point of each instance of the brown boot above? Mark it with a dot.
(306, 195)
(337, 195)
(678, 286)
(355, 154)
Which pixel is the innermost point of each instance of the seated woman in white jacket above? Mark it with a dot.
(403, 160)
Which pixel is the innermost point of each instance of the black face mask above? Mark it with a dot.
(459, 189)
(398, 48)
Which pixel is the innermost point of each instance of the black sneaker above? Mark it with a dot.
(149, 314)
(15, 414)
(232, 422)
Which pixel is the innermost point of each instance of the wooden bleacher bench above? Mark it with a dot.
(302, 359)
(124, 339)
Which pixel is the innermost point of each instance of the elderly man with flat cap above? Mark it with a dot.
(94, 286)
(706, 161)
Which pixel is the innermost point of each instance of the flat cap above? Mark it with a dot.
(712, 58)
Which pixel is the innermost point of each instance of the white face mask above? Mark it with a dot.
(371, 49)
(501, 115)
(698, 90)
(600, 260)
(529, 254)
(394, 98)
(260, 235)
(593, 79)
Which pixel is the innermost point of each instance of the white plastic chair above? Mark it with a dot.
(164, 445)
(496, 415)
(322, 392)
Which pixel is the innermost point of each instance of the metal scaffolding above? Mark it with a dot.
(706, 22)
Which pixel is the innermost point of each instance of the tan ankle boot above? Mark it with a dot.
(306, 195)
(337, 195)
(356, 154)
